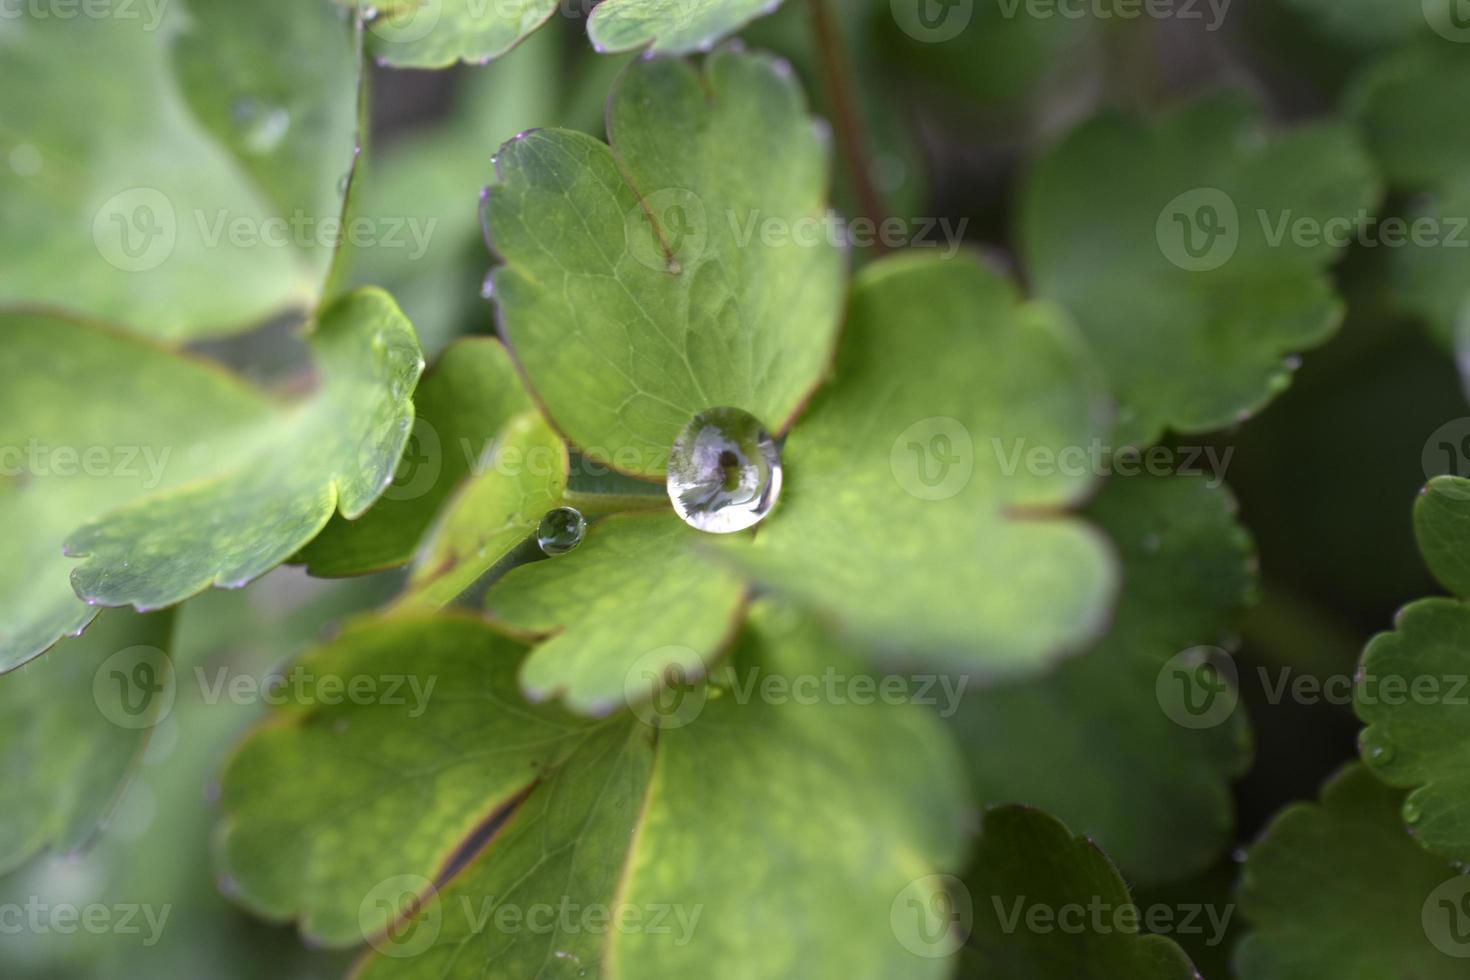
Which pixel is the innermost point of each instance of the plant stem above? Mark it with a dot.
(846, 124)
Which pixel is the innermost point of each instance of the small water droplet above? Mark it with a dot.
(344, 182)
(1412, 813)
(487, 288)
(1375, 751)
(262, 127)
(561, 530)
(724, 471)
(1238, 855)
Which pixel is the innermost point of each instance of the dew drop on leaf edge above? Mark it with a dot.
(724, 471)
(561, 530)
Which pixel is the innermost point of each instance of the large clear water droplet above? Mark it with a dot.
(561, 530)
(724, 471)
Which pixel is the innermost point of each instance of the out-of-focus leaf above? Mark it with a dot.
(438, 33)
(196, 192)
(73, 725)
(167, 476)
(670, 26)
(1338, 889)
(1093, 743)
(915, 458)
(1411, 108)
(631, 295)
(1033, 889)
(166, 913)
(1193, 253)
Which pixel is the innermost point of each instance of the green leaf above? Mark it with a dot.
(465, 399)
(1408, 107)
(438, 33)
(1411, 693)
(622, 341)
(1029, 864)
(168, 475)
(635, 600)
(914, 459)
(833, 807)
(153, 857)
(1442, 527)
(1163, 242)
(1094, 733)
(196, 191)
(524, 475)
(670, 26)
(73, 726)
(1338, 889)
(74, 391)
(419, 771)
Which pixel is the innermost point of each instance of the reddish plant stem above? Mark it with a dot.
(847, 127)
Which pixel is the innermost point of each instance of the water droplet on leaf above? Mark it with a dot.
(262, 127)
(724, 471)
(561, 530)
